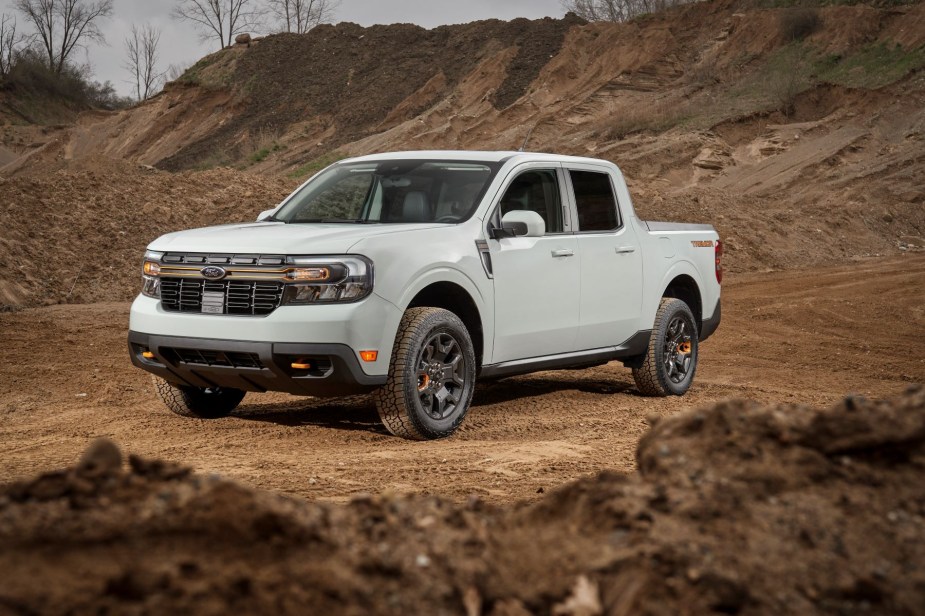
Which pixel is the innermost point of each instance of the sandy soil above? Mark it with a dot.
(737, 508)
(800, 336)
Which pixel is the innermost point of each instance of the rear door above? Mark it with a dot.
(536, 279)
(611, 260)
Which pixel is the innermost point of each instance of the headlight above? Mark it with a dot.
(328, 279)
(150, 270)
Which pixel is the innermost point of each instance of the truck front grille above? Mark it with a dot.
(242, 297)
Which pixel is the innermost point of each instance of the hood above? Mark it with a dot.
(278, 238)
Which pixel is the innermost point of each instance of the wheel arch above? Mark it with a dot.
(686, 289)
(456, 299)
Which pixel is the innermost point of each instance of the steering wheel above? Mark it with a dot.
(447, 218)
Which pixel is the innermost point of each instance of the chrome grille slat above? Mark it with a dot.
(223, 259)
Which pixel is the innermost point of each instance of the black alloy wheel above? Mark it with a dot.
(441, 375)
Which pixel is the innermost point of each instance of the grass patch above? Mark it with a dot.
(783, 4)
(315, 165)
(798, 67)
(872, 67)
(657, 119)
(261, 154)
(213, 72)
(217, 158)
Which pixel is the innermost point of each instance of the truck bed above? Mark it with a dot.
(658, 226)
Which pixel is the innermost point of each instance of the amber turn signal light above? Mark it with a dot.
(147, 354)
(369, 355)
(301, 365)
(151, 268)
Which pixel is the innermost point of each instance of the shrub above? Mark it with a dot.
(798, 23)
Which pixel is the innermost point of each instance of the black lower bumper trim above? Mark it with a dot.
(253, 366)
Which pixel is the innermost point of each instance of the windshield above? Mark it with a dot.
(393, 191)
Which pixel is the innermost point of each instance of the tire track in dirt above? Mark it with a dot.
(67, 378)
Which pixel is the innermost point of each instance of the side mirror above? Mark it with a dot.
(509, 229)
(523, 223)
(265, 214)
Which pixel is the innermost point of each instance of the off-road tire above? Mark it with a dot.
(653, 378)
(197, 402)
(399, 401)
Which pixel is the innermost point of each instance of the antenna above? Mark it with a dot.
(527, 138)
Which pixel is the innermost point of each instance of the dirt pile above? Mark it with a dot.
(78, 235)
(355, 81)
(735, 509)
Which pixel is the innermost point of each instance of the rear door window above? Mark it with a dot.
(595, 201)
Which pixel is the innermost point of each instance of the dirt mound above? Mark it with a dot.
(78, 234)
(735, 509)
(352, 78)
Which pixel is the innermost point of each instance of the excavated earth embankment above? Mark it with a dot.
(736, 508)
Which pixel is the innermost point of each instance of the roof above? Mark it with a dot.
(477, 155)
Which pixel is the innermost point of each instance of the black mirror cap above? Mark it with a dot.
(509, 229)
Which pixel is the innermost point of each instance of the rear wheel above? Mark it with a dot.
(431, 376)
(200, 402)
(671, 359)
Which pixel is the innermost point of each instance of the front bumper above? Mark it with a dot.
(369, 324)
(253, 366)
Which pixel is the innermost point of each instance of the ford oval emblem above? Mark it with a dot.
(213, 272)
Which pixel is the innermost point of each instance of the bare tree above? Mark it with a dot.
(300, 16)
(141, 60)
(11, 43)
(219, 19)
(64, 25)
(175, 71)
(618, 10)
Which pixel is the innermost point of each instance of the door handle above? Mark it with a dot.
(625, 249)
(563, 253)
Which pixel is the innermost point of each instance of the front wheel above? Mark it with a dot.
(671, 359)
(200, 402)
(431, 376)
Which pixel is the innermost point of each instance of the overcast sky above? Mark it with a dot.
(180, 43)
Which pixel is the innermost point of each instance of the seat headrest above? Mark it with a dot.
(415, 207)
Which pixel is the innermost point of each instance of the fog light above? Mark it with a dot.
(301, 365)
(369, 355)
(147, 354)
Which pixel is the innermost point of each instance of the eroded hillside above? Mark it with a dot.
(799, 133)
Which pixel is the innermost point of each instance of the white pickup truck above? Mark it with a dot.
(410, 275)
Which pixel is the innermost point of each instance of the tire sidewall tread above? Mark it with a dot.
(651, 379)
(191, 402)
(396, 401)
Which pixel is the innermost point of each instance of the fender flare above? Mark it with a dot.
(679, 268)
(446, 273)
